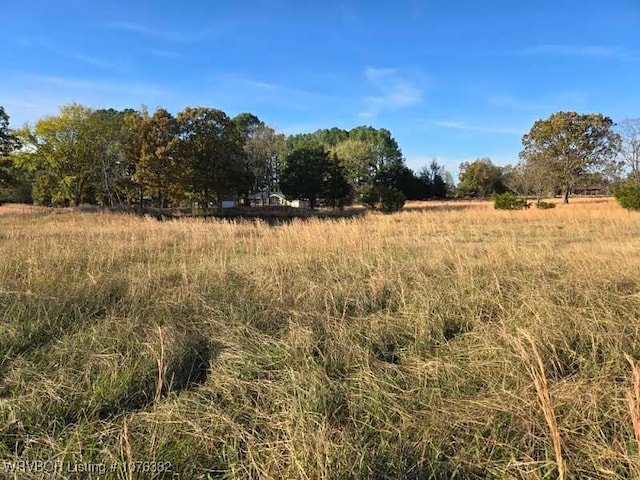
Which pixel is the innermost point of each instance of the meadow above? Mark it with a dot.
(448, 340)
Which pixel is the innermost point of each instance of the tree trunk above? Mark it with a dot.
(565, 197)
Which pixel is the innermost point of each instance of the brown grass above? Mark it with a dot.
(449, 340)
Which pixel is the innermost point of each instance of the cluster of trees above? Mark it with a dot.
(559, 153)
(112, 157)
(364, 163)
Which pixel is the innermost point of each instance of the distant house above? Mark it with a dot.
(258, 199)
(275, 199)
(229, 202)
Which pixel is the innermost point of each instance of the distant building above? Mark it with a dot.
(229, 202)
(591, 189)
(275, 199)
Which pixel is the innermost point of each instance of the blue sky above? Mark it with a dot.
(454, 80)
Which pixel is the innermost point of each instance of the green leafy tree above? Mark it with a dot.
(109, 134)
(9, 142)
(10, 176)
(568, 145)
(628, 195)
(391, 200)
(360, 162)
(213, 147)
(304, 173)
(337, 190)
(397, 176)
(480, 178)
(385, 147)
(64, 145)
(363, 151)
(158, 169)
(433, 181)
(264, 149)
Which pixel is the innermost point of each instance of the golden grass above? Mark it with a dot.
(449, 340)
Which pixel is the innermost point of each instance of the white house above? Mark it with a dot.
(275, 199)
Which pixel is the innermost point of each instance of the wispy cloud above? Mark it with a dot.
(90, 59)
(163, 53)
(75, 83)
(589, 51)
(193, 35)
(393, 91)
(567, 100)
(478, 128)
(241, 91)
(29, 97)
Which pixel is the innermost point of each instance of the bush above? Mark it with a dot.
(392, 200)
(544, 205)
(371, 199)
(628, 196)
(508, 201)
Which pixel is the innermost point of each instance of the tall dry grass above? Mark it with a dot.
(446, 341)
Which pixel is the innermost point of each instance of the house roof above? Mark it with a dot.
(264, 195)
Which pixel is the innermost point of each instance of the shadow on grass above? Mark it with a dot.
(273, 216)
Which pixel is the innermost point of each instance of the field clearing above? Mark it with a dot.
(449, 340)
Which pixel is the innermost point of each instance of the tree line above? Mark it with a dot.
(129, 157)
(135, 157)
(560, 153)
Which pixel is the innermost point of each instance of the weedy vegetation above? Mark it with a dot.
(444, 341)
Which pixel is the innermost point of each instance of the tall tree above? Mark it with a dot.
(337, 189)
(480, 178)
(569, 145)
(264, 148)
(360, 163)
(109, 133)
(385, 147)
(9, 142)
(213, 146)
(158, 170)
(630, 147)
(66, 148)
(304, 173)
(432, 177)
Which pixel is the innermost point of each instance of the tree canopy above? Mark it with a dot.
(138, 158)
(480, 178)
(568, 145)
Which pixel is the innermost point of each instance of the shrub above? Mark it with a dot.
(628, 196)
(544, 205)
(508, 201)
(371, 199)
(392, 200)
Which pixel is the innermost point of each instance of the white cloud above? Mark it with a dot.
(393, 91)
(193, 35)
(106, 64)
(568, 100)
(477, 128)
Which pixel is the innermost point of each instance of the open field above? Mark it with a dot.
(446, 341)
